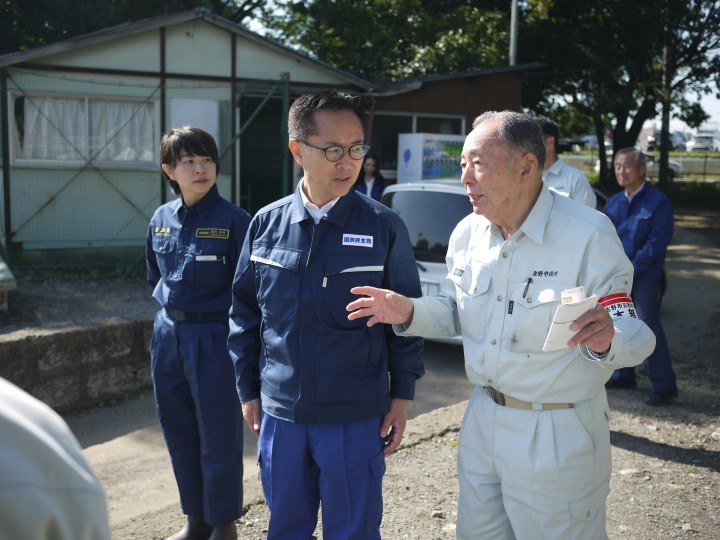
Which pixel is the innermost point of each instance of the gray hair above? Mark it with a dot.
(640, 160)
(519, 132)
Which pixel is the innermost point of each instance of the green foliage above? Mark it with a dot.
(604, 63)
(391, 39)
(606, 60)
(694, 195)
(25, 24)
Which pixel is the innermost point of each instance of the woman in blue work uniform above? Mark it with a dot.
(193, 245)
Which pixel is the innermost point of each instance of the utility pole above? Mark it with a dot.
(667, 77)
(513, 32)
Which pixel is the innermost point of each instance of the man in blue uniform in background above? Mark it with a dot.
(193, 246)
(643, 217)
(333, 393)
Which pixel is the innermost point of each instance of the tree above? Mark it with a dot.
(25, 24)
(605, 60)
(234, 10)
(391, 39)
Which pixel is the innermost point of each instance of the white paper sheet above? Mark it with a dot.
(566, 314)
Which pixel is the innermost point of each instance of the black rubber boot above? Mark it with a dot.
(224, 532)
(194, 529)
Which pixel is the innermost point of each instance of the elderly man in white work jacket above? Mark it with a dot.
(534, 456)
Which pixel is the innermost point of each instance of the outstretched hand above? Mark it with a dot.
(380, 305)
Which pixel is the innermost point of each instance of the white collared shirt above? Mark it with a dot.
(638, 190)
(316, 213)
(47, 488)
(569, 181)
(560, 245)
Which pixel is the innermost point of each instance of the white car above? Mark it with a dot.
(704, 142)
(430, 210)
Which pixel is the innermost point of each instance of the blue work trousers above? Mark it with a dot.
(340, 465)
(646, 297)
(200, 415)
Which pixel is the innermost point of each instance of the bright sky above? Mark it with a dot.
(711, 105)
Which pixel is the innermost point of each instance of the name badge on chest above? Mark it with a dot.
(357, 240)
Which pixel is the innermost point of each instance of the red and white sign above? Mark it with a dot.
(619, 305)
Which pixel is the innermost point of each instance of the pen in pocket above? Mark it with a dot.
(527, 286)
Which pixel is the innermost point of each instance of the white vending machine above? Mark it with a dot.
(428, 156)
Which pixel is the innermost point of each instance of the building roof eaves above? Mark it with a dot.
(171, 19)
(476, 73)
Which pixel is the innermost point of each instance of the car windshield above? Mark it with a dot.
(430, 217)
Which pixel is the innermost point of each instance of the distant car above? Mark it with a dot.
(675, 168)
(703, 143)
(588, 142)
(677, 142)
(430, 210)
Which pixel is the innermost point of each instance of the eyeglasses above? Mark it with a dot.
(335, 152)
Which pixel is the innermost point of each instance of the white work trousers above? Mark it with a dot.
(533, 475)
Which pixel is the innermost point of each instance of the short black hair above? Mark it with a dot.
(189, 140)
(301, 119)
(548, 127)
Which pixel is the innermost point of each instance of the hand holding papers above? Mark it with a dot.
(573, 305)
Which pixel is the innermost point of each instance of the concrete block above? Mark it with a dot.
(81, 368)
(18, 361)
(85, 347)
(62, 393)
(118, 381)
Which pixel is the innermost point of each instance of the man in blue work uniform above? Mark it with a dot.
(643, 217)
(333, 393)
(193, 246)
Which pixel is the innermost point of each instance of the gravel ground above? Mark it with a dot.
(665, 481)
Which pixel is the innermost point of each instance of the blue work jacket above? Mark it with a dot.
(645, 228)
(290, 337)
(192, 253)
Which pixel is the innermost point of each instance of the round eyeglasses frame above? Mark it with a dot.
(356, 151)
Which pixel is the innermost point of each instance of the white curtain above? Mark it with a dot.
(123, 131)
(54, 128)
(67, 129)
